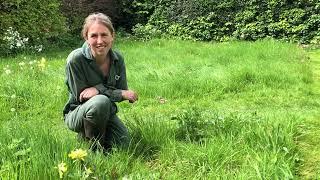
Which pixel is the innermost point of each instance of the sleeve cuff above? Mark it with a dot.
(117, 95)
(100, 88)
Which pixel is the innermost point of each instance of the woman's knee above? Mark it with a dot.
(99, 105)
(100, 102)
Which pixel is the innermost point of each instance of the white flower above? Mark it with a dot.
(12, 109)
(13, 96)
(126, 177)
(8, 71)
(19, 44)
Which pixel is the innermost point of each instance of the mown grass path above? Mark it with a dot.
(309, 142)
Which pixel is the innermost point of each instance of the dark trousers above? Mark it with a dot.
(95, 116)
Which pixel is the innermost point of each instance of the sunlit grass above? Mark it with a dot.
(205, 110)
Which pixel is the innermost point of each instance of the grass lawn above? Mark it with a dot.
(234, 110)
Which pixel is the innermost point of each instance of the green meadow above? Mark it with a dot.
(233, 110)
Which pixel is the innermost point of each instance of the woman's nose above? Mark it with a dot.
(99, 40)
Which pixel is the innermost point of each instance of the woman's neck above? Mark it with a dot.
(102, 59)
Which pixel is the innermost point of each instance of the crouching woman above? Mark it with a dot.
(96, 80)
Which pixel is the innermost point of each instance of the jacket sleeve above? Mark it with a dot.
(75, 78)
(114, 93)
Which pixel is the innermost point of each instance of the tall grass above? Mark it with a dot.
(205, 111)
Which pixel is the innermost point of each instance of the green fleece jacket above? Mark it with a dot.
(82, 72)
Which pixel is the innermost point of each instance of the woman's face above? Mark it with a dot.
(100, 39)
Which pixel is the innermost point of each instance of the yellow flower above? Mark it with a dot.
(78, 154)
(42, 63)
(87, 173)
(62, 168)
(43, 60)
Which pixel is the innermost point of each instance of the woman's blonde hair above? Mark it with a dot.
(99, 18)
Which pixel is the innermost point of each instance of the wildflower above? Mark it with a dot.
(43, 60)
(12, 109)
(126, 177)
(38, 48)
(31, 62)
(22, 63)
(8, 71)
(42, 63)
(13, 96)
(18, 44)
(162, 100)
(78, 154)
(87, 173)
(62, 168)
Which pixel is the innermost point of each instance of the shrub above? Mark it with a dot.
(146, 32)
(29, 23)
(248, 20)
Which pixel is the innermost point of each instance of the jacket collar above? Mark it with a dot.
(86, 51)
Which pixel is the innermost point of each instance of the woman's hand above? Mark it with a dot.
(88, 93)
(129, 95)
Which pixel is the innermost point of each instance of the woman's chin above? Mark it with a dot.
(100, 53)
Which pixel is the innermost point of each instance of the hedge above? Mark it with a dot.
(294, 20)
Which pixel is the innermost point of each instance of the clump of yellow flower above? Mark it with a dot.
(78, 154)
(42, 63)
(62, 168)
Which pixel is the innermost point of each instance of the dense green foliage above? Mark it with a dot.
(224, 19)
(228, 110)
(77, 10)
(35, 25)
(30, 24)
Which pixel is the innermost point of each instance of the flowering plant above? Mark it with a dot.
(78, 154)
